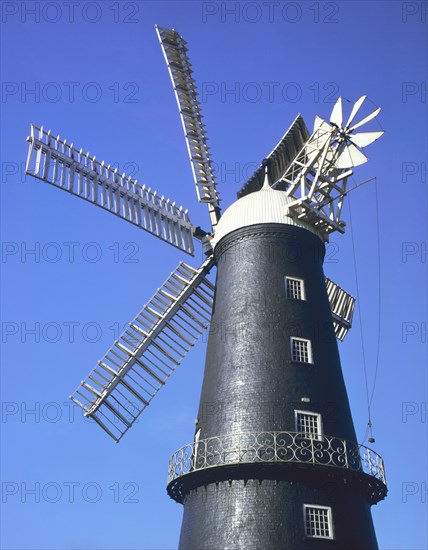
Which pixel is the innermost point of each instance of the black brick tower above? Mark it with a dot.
(275, 463)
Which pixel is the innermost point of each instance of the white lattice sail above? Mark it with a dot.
(278, 160)
(179, 66)
(59, 163)
(139, 363)
(342, 308)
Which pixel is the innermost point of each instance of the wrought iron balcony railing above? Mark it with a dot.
(275, 447)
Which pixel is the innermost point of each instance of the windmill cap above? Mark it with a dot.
(265, 206)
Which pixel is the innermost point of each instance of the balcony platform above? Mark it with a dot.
(277, 456)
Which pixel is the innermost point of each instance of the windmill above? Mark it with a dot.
(275, 461)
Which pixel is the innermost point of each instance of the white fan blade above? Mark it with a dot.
(324, 131)
(350, 156)
(355, 110)
(337, 113)
(321, 123)
(365, 138)
(367, 119)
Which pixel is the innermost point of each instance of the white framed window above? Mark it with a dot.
(295, 288)
(308, 424)
(301, 350)
(318, 521)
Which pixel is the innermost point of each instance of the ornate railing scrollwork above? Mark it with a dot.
(275, 447)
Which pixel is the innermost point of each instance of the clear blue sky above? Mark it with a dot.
(281, 59)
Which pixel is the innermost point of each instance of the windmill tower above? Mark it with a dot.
(275, 462)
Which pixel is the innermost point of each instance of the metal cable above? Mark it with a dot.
(369, 423)
(379, 296)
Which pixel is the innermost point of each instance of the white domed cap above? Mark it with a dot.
(265, 206)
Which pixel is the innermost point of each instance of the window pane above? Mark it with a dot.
(308, 424)
(294, 288)
(300, 350)
(318, 522)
